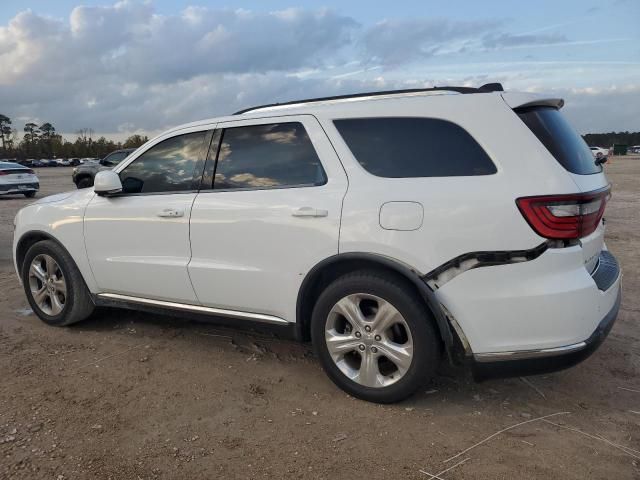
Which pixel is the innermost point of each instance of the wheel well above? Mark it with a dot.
(82, 176)
(25, 243)
(322, 275)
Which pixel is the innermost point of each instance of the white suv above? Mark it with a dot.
(391, 229)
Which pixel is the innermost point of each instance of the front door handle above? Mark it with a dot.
(170, 213)
(309, 212)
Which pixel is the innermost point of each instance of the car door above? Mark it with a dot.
(137, 242)
(271, 213)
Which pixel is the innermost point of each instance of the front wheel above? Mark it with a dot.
(375, 337)
(54, 286)
(85, 182)
(30, 194)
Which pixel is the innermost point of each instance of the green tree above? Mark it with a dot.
(48, 134)
(30, 136)
(134, 141)
(5, 130)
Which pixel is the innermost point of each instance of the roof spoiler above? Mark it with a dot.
(522, 100)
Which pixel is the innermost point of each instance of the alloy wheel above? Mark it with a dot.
(47, 284)
(369, 340)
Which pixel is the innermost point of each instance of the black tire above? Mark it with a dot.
(78, 304)
(30, 194)
(85, 182)
(400, 294)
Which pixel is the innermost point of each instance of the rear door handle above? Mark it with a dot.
(309, 212)
(170, 213)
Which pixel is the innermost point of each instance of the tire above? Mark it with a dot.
(30, 194)
(55, 307)
(410, 331)
(85, 182)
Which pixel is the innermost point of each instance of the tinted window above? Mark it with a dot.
(115, 158)
(555, 133)
(167, 167)
(267, 156)
(414, 147)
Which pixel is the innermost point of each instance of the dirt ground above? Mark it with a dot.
(136, 396)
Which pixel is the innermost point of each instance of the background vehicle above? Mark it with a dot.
(599, 153)
(389, 228)
(83, 174)
(63, 162)
(15, 178)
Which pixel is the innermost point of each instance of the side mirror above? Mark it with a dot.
(107, 182)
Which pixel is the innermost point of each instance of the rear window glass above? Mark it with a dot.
(562, 141)
(400, 147)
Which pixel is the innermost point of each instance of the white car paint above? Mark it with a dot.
(13, 178)
(599, 152)
(246, 251)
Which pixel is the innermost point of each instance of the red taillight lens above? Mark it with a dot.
(30, 171)
(2, 172)
(565, 217)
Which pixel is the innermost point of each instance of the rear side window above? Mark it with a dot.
(267, 156)
(400, 147)
(562, 141)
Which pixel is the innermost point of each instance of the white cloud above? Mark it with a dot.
(125, 68)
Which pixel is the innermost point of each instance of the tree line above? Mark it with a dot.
(612, 138)
(42, 141)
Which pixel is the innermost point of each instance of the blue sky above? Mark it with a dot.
(137, 66)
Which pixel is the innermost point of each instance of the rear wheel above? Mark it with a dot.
(54, 286)
(30, 194)
(375, 338)
(85, 182)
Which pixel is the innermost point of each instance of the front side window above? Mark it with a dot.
(166, 167)
(405, 147)
(267, 156)
(114, 159)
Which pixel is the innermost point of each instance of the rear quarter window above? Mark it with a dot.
(406, 147)
(559, 137)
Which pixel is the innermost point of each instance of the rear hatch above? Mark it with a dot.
(15, 174)
(583, 211)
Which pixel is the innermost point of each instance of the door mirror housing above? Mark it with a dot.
(107, 182)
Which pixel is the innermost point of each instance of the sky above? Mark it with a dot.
(137, 66)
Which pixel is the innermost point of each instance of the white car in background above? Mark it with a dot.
(16, 178)
(599, 153)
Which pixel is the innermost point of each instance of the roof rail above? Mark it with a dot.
(486, 88)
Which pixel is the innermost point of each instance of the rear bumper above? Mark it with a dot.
(19, 188)
(534, 362)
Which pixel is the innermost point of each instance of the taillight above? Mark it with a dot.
(3, 172)
(565, 217)
(30, 171)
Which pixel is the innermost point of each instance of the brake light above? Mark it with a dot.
(3, 172)
(30, 171)
(565, 217)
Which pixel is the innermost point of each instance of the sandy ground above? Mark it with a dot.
(127, 396)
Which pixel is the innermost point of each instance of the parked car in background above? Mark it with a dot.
(63, 162)
(75, 162)
(392, 229)
(32, 162)
(599, 153)
(49, 162)
(83, 174)
(16, 178)
(634, 149)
